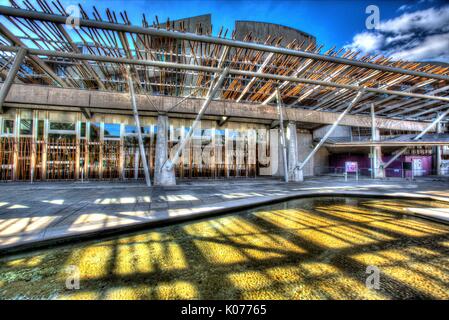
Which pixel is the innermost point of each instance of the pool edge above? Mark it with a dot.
(237, 205)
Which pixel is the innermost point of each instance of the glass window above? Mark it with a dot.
(131, 129)
(111, 130)
(62, 126)
(40, 129)
(95, 132)
(26, 127)
(83, 130)
(60, 136)
(8, 126)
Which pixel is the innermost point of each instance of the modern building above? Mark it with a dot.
(265, 102)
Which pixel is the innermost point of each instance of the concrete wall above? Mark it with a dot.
(192, 23)
(340, 131)
(261, 30)
(394, 170)
(321, 161)
(305, 145)
(50, 98)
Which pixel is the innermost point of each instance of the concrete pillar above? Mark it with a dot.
(122, 152)
(33, 144)
(77, 152)
(292, 139)
(15, 165)
(45, 147)
(162, 176)
(101, 152)
(376, 157)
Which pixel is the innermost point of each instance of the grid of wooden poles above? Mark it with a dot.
(74, 73)
(22, 159)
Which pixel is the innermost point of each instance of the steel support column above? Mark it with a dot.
(282, 134)
(331, 129)
(139, 132)
(439, 152)
(161, 154)
(377, 170)
(170, 163)
(419, 136)
(292, 138)
(20, 56)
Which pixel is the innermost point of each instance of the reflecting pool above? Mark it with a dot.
(314, 248)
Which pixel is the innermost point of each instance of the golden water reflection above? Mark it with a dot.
(317, 248)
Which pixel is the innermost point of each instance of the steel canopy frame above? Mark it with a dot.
(282, 134)
(161, 64)
(36, 15)
(356, 99)
(170, 163)
(419, 136)
(139, 133)
(18, 59)
(221, 71)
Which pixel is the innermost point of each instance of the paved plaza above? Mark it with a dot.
(41, 213)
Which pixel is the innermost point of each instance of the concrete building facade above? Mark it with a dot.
(46, 132)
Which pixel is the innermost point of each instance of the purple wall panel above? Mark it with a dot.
(394, 170)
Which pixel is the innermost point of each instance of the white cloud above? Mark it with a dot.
(430, 19)
(404, 7)
(367, 41)
(418, 35)
(434, 47)
(396, 38)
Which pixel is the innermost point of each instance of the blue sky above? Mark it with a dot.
(332, 22)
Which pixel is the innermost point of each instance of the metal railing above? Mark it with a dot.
(401, 173)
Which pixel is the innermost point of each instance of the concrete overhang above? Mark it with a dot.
(68, 99)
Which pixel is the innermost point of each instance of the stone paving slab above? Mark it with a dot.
(39, 214)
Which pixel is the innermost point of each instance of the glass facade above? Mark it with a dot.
(108, 148)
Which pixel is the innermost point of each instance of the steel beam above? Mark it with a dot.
(282, 134)
(331, 129)
(169, 164)
(139, 132)
(85, 63)
(310, 91)
(335, 95)
(253, 79)
(35, 60)
(419, 136)
(431, 110)
(187, 97)
(433, 92)
(220, 65)
(20, 56)
(408, 108)
(382, 101)
(59, 19)
(222, 121)
(285, 83)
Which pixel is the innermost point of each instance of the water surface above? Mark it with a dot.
(315, 248)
